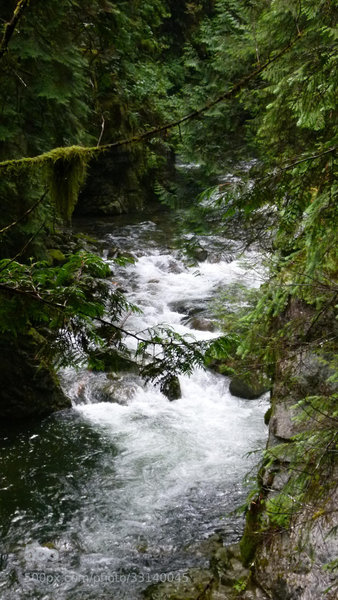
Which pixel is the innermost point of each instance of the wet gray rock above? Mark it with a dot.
(301, 374)
(292, 564)
(174, 267)
(282, 423)
(187, 586)
(199, 323)
(225, 579)
(227, 566)
(188, 308)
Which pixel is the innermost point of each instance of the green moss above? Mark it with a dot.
(248, 545)
(50, 545)
(219, 366)
(65, 174)
(252, 534)
(85, 237)
(267, 416)
(64, 170)
(56, 257)
(15, 166)
(226, 370)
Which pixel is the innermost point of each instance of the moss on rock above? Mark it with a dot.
(247, 389)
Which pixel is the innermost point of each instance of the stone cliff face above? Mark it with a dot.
(294, 556)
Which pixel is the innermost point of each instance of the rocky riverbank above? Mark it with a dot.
(289, 547)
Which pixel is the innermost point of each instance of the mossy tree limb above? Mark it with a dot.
(64, 170)
(65, 176)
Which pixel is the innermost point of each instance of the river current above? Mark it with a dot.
(122, 490)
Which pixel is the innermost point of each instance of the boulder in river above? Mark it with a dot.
(171, 388)
(199, 323)
(175, 267)
(246, 390)
(199, 254)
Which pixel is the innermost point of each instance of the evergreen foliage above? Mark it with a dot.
(292, 188)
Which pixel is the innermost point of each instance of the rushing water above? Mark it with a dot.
(104, 499)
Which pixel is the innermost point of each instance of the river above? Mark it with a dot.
(106, 498)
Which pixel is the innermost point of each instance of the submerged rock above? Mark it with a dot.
(171, 388)
(174, 267)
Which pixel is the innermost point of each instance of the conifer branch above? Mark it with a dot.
(235, 89)
(62, 309)
(11, 25)
(281, 169)
(308, 158)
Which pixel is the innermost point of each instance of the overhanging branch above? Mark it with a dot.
(11, 25)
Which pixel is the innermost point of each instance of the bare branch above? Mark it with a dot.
(11, 25)
(25, 214)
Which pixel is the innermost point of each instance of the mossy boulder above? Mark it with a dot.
(248, 390)
(171, 388)
(219, 366)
